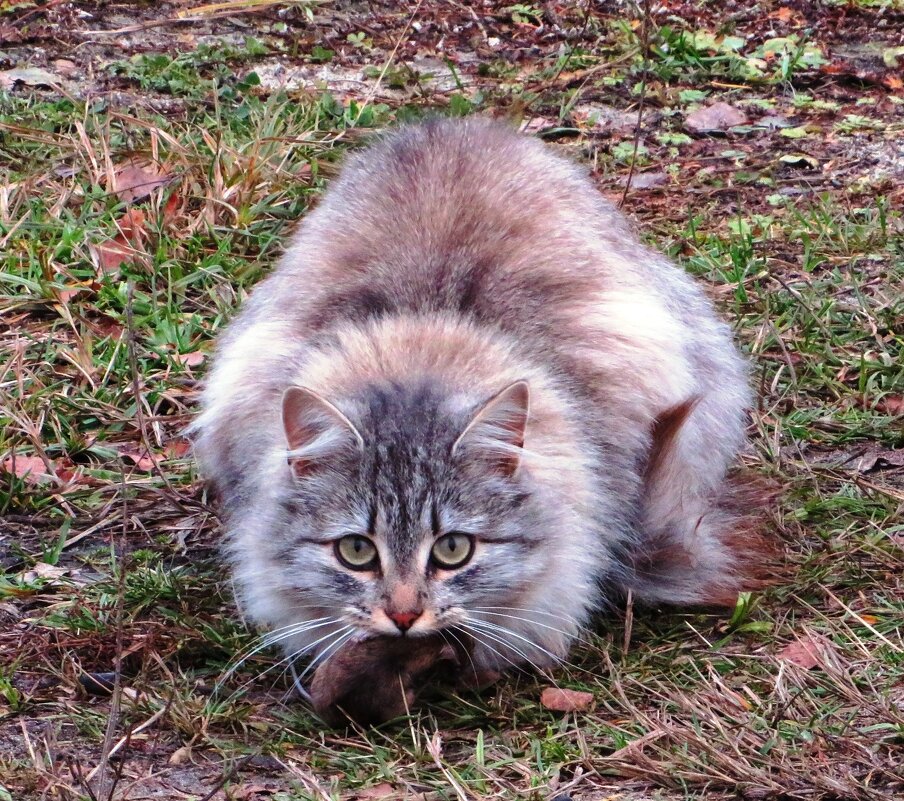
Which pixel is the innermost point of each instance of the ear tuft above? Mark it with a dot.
(315, 429)
(497, 429)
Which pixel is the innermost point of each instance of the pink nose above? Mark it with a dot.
(403, 620)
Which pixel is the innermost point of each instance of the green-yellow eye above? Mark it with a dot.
(357, 552)
(452, 550)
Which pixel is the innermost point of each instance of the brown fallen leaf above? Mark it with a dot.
(180, 755)
(30, 76)
(717, 117)
(65, 67)
(109, 256)
(43, 570)
(646, 180)
(891, 404)
(878, 459)
(135, 180)
(806, 652)
(559, 700)
(139, 457)
(176, 449)
(381, 790)
(31, 468)
(192, 359)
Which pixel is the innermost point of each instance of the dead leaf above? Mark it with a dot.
(65, 67)
(255, 790)
(180, 755)
(111, 255)
(381, 790)
(31, 468)
(192, 359)
(558, 700)
(139, 457)
(30, 76)
(807, 652)
(880, 458)
(891, 404)
(136, 180)
(177, 448)
(783, 14)
(799, 160)
(646, 180)
(717, 117)
(42, 570)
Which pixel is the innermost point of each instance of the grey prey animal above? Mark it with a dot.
(468, 400)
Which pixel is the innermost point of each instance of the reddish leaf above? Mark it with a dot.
(558, 700)
(891, 404)
(177, 448)
(717, 117)
(192, 359)
(136, 180)
(807, 652)
(111, 255)
(31, 468)
(139, 457)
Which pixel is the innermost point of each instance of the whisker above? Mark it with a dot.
(575, 636)
(328, 652)
(284, 660)
(275, 636)
(506, 644)
(477, 637)
(487, 624)
(526, 609)
(467, 651)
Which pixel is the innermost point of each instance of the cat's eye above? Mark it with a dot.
(452, 550)
(357, 552)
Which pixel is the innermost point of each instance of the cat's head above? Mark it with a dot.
(410, 509)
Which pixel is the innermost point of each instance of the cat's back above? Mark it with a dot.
(464, 216)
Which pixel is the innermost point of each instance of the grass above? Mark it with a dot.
(108, 544)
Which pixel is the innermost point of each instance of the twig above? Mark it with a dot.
(373, 90)
(629, 622)
(645, 45)
(126, 738)
(177, 499)
(116, 700)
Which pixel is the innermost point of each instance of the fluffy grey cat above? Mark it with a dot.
(470, 400)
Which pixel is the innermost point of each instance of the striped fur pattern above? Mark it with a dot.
(484, 346)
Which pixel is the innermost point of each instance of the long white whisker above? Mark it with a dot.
(271, 638)
(532, 622)
(282, 661)
(526, 609)
(328, 652)
(485, 644)
(486, 624)
(321, 658)
(506, 644)
(451, 633)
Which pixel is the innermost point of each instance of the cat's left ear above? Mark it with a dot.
(497, 430)
(315, 429)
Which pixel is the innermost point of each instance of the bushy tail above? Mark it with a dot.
(700, 544)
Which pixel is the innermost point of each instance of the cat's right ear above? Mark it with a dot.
(315, 429)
